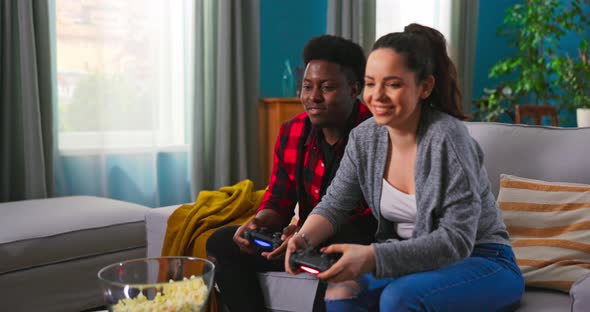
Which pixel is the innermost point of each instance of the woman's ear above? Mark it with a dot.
(427, 86)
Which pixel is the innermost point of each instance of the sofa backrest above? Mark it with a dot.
(535, 152)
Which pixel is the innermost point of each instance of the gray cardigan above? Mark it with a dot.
(455, 206)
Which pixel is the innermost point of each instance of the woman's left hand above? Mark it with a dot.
(355, 261)
(287, 233)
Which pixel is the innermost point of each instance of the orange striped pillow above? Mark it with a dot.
(549, 225)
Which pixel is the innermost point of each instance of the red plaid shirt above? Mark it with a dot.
(298, 166)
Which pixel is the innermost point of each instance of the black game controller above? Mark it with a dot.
(312, 260)
(264, 238)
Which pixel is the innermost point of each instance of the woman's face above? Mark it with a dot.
(391, 91)
(327, 95)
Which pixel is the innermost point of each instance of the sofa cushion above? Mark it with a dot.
(60, 287)
(549, 224)
(45, 231)
(544, 300)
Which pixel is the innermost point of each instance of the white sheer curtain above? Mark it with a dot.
(455, 19)
(122, 69)
(157, 99)
(354, 20)
(393, 15)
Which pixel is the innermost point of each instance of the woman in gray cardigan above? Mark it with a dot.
(441, 244)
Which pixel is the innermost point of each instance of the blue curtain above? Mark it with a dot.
(27, 100)
(226, 90)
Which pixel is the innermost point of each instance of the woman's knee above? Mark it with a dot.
(342, 297)
(343, 290)
(401, 296)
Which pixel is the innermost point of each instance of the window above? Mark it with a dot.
(121, 69)
(393, 15)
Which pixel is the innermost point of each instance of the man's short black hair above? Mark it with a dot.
(334, 49)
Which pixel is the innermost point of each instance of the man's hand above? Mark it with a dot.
(355, 261)
(243, 243)
(287, 233)
(267, 218)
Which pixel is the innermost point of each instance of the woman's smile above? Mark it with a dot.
(382, 110)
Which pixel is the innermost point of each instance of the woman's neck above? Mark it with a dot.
(406, 134)
(402, 139)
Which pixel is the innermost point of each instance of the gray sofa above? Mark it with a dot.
(51, 250)
(545, 153)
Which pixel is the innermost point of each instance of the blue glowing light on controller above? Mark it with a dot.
(262, 243)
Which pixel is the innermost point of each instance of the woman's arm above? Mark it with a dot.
(344, 193)
(355, 261)
(315, 230)
(342, 197)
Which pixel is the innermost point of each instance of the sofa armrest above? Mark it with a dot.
(580, 294)
(156, 221)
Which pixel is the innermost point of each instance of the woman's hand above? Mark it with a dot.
(295, 242)
(287, 233)
(355, 261)
(314, 231)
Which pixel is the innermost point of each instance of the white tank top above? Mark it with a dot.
(398, 207)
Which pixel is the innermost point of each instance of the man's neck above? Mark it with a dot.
(332, 135)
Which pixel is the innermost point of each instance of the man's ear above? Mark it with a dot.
(355, 89)
(427, 86)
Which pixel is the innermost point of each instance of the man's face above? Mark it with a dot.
(327, 95)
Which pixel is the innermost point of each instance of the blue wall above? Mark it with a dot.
(285, 27)
(491, 48)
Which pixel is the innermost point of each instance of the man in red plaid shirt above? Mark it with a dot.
(307, 154)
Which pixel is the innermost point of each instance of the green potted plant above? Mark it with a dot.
(495, 103)
(574, 82)
(534, 29)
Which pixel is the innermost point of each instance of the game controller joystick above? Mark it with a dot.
(264, 238)
(312, 261)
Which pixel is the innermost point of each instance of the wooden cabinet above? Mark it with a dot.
(272, 113)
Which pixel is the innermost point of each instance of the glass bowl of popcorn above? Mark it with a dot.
(157, 284)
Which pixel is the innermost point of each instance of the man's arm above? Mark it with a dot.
(281, 194)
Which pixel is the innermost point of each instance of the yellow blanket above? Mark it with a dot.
(189, 226)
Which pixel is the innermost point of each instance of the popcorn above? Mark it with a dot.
(188, 295)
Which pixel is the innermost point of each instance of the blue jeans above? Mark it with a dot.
(488, 280)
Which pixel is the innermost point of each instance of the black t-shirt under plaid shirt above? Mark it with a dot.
(299, 169)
